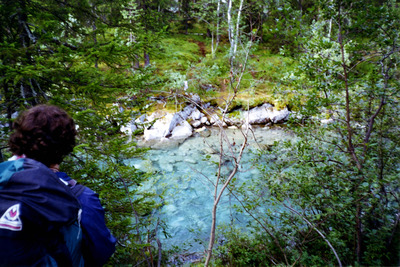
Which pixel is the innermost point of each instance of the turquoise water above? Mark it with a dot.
(187, 173)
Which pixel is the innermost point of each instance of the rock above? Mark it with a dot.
(159, 129)
(156, 115)
(175, 128)
(246, 126)
(196, 123)
(182, 131)
(232, 120)
(166, 167)
(129, 128)
(196, 114)
(280, 115)
(145, 166)
(215, 120)
(204, 132)
(265, 114)
(258, 115)
(204, 120)
(166, 163)
(169, 125)
(178, 118)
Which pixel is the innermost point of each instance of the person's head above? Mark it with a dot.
(45, 133)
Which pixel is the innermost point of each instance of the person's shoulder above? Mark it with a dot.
(32, 169)
(23, 169)
(8, 169)
(34, 164)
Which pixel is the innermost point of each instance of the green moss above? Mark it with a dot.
(190, 55)
(177, 54)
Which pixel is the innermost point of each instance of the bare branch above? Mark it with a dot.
(319, 232)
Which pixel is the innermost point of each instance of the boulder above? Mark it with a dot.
(145, 166)
(156, 115)
(182, 131)
(204, 120)
(264, 114)
(258, 115)
(196, 123)
(196, 114)
(159, 129)
(280, 115)
(178, 118)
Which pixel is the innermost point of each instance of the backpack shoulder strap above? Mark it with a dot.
(75, 187)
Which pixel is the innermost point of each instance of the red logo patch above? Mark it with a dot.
(10, 219)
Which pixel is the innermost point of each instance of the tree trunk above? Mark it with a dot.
(212, 234)
(358, 234)
(146, 58)
(218, 195)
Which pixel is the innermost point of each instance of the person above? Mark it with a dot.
(39, 214)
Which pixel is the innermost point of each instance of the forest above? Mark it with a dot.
(337, 184)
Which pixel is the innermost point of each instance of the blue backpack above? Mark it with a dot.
(39, 222)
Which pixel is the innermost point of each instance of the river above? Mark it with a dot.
(186, 172)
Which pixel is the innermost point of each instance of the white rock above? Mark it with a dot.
(196, 114)
(182, 131)
(280, 115)
(178, 118)
(258, 115)
(264, 114)
(156, 115)
(196, 123)
(129, 128)
(213, 119)
(195, 98)
(159, 128)
(246, 126)
(327, 121)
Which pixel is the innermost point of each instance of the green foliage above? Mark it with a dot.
(177, 54)
(240, 249)
(79, 56)
(341, 177)
(99, 162)
(336, 182)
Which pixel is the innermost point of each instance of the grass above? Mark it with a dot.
(188, 58)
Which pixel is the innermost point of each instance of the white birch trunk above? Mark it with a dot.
(214, 48)
(230, 31)
(237, 28)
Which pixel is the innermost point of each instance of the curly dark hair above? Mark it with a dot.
(45, 133)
